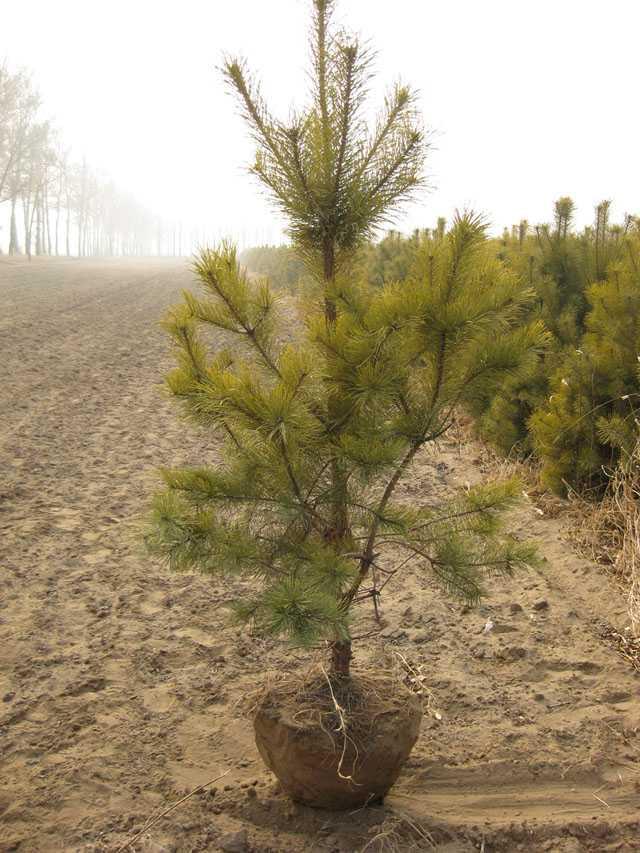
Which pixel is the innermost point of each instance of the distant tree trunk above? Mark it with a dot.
(14, 247)
(47, 220)
(38, 214)
(43, 226)
(62, 175)
(30, 208)
(27, 228)
(34, 210)
(68, 231)
(57, 223)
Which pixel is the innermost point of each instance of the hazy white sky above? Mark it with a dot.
(527, 100)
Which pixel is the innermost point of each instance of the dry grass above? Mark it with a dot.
(627, 497)
(340, 707)
(609, 531)
(399, 833)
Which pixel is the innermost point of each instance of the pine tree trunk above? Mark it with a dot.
(329, 276)
(340, 522)
(341, 658)
(339, 531)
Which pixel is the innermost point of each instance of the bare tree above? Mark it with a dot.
(56, 204)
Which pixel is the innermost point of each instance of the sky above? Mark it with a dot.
(524, 102)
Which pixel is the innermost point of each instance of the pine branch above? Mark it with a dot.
(350, 55)
(206, 271)
(324, 9)
(411, 181)
(294, 137)
(233, 71)
(365, 563)
(402, 98)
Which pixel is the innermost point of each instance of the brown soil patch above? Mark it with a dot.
(120, 684)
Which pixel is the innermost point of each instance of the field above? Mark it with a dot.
(122, 686)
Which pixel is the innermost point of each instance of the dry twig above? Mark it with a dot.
(151, 823)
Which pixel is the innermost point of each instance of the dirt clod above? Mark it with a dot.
(234, 842)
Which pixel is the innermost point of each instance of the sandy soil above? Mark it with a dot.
(119, 683)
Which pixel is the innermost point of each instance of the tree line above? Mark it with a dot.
(575, 407)
(55, 205)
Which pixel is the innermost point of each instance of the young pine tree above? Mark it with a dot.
(590, 420)
(560, 266)
(320, 431)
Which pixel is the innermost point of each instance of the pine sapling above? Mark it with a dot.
(322, 422)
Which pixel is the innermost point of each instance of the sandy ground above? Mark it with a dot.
(119, 683)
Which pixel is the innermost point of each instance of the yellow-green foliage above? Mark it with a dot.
(363, 394)
(545, 411)
(590, 415)
(388, 259)
(319, 432)
(574, 403)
